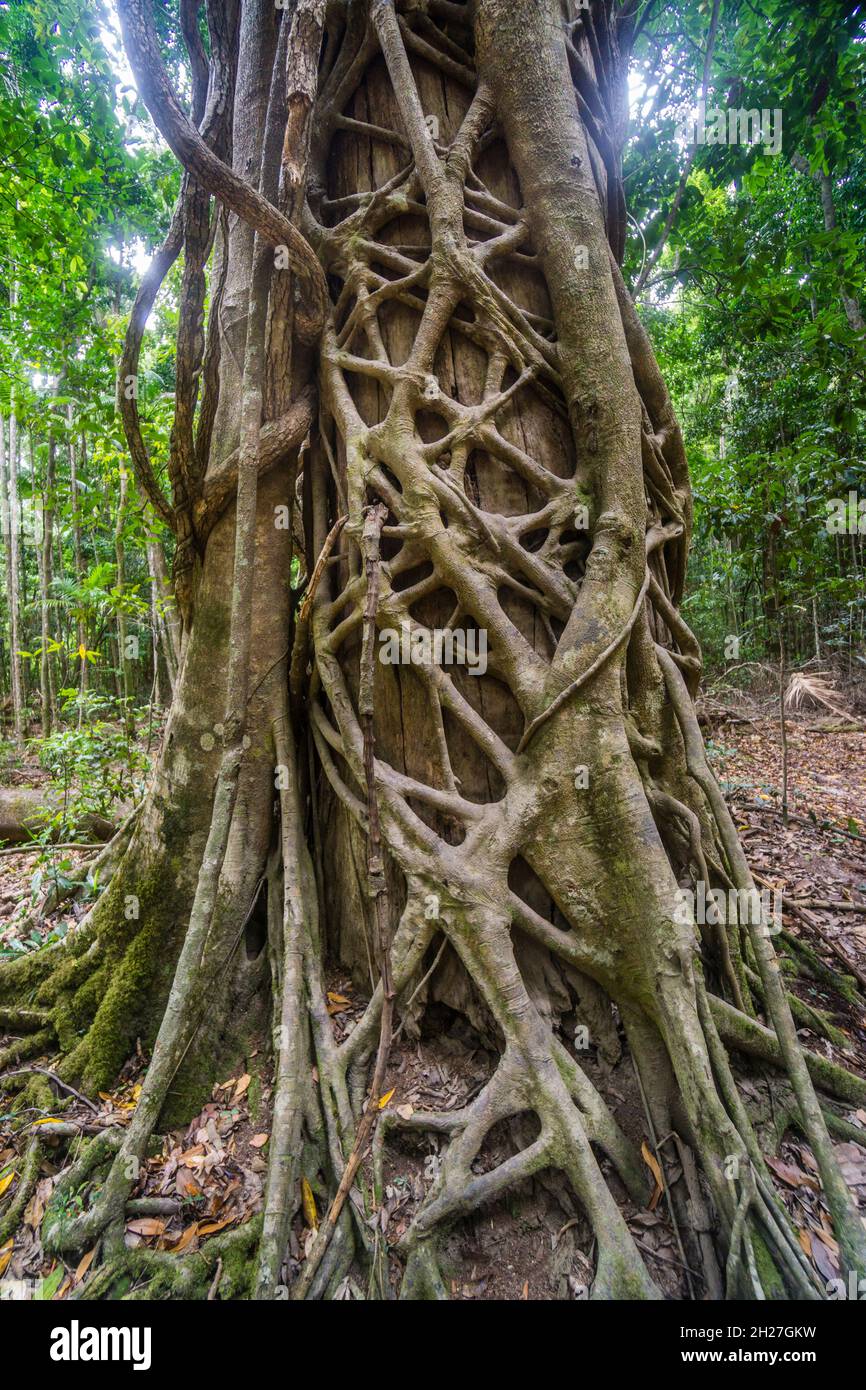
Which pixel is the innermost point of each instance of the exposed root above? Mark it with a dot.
(751, 1037)
(10, 1218)
(291, 1062)
(152, 1274)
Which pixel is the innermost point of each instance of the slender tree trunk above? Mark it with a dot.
(78, 561)
(46, 572)
(12, 537)
(167, 634)
(850, 303)
(125, 641)
(159, 641)
(6, 522)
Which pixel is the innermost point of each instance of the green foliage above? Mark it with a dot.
(93, 764)
(752, 311)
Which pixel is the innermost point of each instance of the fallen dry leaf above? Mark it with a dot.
(652, 1163)
(794, 1177)
(186, 1239)
(308, 1202)
(207, 1228)
(146, 1226)
(84, 1265)
(824, 1262)
(35, 1209)
(185, 1183)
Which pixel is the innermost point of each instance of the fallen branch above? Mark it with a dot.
(805, 820)
(39, 846)
(825, 905)
(22, 809)
(64, 1086)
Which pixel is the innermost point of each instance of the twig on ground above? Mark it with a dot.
(64, 1086)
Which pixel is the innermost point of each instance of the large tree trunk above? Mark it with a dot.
(494, 451)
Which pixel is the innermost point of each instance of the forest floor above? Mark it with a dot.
(536, 1244)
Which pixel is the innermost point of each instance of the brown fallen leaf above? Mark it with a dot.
(146, 1226)
(652, 1163)
(186, 1239)
(207, 1228)
(826, 1234)
(646, 1219)
(824, 1262)
(84, 1266)
(794, 1177)
(195, 1152)
(185, 1183)
(258, 1141)
(308, 1203)
(242, 1085)
(35, 1209)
